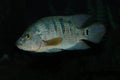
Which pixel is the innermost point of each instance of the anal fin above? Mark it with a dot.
(89, 43)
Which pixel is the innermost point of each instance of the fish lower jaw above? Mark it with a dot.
(24, 49)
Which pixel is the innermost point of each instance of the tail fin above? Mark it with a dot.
(95, 32)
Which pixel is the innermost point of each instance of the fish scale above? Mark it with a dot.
(60, 22)
(65, 29)
(67, 32)
(59, 28)
(72, 31)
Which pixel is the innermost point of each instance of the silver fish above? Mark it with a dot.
(57, 33)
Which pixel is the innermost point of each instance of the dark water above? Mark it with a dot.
(100, 63)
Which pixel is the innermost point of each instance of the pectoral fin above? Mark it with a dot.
(54, 41)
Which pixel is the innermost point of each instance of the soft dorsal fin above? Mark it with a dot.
(79, 20)
(54, 41)
(83, 21)
(89, 22)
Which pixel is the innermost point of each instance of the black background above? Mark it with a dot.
(101, 63)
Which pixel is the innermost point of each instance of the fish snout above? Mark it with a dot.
(18, 43)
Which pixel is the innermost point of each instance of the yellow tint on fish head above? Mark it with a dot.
(54, 41)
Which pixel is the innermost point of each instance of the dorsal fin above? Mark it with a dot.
(83, 21)
(79, 20)
(89, 22)
(54, 41)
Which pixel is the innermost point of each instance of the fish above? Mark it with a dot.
(58, 33)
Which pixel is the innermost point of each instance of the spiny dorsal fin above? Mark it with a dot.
(54, 41)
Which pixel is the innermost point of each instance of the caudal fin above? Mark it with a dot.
(95, 32)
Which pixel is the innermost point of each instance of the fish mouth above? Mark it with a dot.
(19, 45)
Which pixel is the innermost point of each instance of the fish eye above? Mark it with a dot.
(27, 36)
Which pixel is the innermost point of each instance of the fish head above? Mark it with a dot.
(30, 40)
